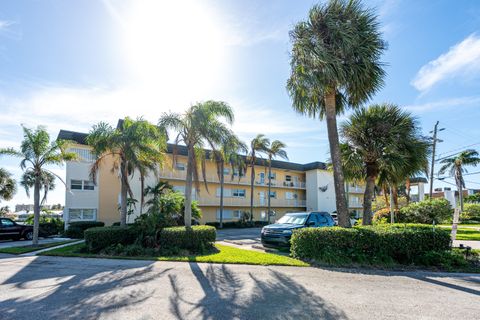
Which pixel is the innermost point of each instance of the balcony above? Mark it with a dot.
(213, 178)
(245, 202)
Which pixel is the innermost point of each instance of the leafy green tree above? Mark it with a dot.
(382, 141)
(199, 126)
(276, 149)
(4, 210)
(335, 64)
(473, 198)
(456, 167)
(427, 211)
(37, 152)
(8, 186)
(136, 145)
(258, 146)
(229, 153)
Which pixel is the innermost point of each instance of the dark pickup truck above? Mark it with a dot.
(9, 229)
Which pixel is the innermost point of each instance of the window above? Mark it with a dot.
(88, 185)
(82, 214)
(226, 171)
(314, 218)
(273, 194)
(322, 220)
(180, 166)
(229, 214)
(288, 178)
(7, 223)
(180, 189)
(237, 172)
(82, 185)
(76, 184)
(290, 195)
(227, 193)
(273, 176)
(238, 193)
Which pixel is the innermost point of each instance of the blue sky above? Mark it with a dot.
(70, 64)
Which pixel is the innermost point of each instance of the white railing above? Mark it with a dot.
(245, 202)
(182, 174)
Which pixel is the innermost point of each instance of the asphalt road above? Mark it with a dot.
(75, 288)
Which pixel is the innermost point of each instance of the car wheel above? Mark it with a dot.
(28, 235)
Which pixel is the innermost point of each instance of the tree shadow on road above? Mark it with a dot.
(277, 296)
(77, 290)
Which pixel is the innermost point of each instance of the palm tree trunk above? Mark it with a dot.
(395, 196)
(222, 181)
(252, 183)
(36, 210)
(188, 190)
(460, 190)
(368, 194)
(123, 195)
(269, 187)
(387, 202)
(339, 181)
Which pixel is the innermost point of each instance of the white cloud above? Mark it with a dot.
(444, 104)
(460, 60)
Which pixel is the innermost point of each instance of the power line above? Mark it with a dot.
(457, 149)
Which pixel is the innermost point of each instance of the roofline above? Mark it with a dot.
(80, 138)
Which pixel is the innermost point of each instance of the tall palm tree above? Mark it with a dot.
(37, 152)
(8, 186)
(335, 64)
(456, 167)
(229, 152)
(135, 145)
(274, 150)
(386, 142)
(258, 146)
(200, 125)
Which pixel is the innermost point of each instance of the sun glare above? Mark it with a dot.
(173, 44)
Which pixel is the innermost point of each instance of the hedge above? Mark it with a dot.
(76, 229)
(99, 238)
(397, 243)
(195, 239)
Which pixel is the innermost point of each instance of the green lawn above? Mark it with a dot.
(464, 233)
(225, 254)
(30, 248)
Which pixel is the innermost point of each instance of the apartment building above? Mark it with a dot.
(294, 187)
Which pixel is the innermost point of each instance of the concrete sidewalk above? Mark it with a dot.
(22, 243)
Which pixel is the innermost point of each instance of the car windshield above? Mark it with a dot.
(293, 219)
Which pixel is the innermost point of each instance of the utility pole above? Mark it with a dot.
(435, 140)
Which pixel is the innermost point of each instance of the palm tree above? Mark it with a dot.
(258, 145)
(156, 192)
(229, 152)
(135, 145)
(456, 167)
(382, 141)
(274, 150)
(8, 186)
(335, 64)
(37, 152)
(201, 124)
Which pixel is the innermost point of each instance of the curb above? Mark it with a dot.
(34, 253)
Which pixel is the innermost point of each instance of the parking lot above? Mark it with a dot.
(247, 237)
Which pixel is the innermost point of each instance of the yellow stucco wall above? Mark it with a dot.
(109, 189)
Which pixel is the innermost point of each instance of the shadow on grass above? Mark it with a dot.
(275, 296)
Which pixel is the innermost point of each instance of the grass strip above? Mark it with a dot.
(31, 248)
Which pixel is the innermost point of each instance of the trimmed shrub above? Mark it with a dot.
(426, 211)
(55, 226)
(471, 212)
(99, 238)
(397, 243)
(194, 239)
(76, 229)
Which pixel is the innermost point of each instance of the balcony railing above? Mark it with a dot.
(356, 189)
(245, 202)
(182, 174)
